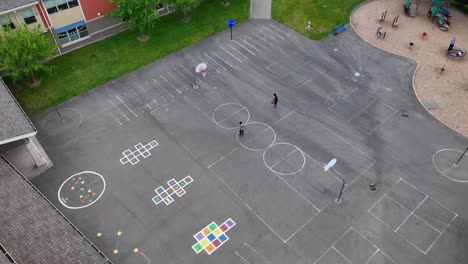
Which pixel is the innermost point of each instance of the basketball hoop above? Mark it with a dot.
(201, 68)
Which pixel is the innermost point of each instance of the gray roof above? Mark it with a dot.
(4, 259)
(13, 121)
(32, 231)
(6, 5)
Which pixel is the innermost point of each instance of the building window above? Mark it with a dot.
(54, 6)
(28, 16)
(5, 21)
(73, 34)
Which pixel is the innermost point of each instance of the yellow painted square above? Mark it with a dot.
(218, 232)
(206, 231)
(210, 248)
(205, 242)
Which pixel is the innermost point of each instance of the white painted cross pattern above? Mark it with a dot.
(141, 150)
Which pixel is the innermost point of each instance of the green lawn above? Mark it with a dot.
(84, 69)
(324, 14)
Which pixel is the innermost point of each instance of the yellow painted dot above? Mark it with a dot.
(135, 250)
(73, 188)
(99, 234)
(116, 251)
(81, 196)
(119, 233)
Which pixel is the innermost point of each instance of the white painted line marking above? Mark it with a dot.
(341, 254)
(258, 253)
(243, 259)
(148, 106)
(168, 83)
(255, 42)
(215, 62)
(247, 43)
(237, 50)
(306, 82)
(183, 76)
(154, 80)
(115, 118)
(119, 110)
(280, 30)
(274, 33)
(139, 87)
(223, 49)
(363, 109)
(126, 106)
(221, 59)
(155, 102)
(245, 47)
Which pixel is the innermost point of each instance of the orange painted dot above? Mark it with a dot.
(94, 194)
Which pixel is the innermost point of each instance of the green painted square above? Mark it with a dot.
(182, 183)
(213, 226)
(197, 248)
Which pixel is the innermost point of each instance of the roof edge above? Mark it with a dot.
(28, 135)
(19, 7)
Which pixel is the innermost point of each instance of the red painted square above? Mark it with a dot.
(216, 243)
(224, 227)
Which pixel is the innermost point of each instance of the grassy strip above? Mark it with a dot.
(324, 14)
(84, 69)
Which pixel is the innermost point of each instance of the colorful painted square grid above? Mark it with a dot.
(212, 237)
(175, 187)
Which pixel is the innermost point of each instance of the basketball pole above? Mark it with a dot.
(338, 199)
(195, 85)
(463, 154)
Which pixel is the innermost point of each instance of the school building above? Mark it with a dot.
(74, 23)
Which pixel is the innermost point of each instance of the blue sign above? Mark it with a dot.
(231, 23)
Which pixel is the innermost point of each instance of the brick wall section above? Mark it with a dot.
(32, 231)
(13, 121)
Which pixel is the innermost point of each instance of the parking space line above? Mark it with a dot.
(267, 36)
(115, 118)
(126, 106)
(242, 258)
(280, 30)
(223, 49)
(120, 111)
(183, 76)
(222, 60)
(168, 82)
(267, 43)
(258, 253)
(281, 37)
(247, 43)
(215, 62)
(154, 80)
(246, 36)
(244, 47)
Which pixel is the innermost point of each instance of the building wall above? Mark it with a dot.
(91, 8)
(66, 17)
(17, 18)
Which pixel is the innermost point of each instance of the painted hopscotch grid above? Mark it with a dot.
(212, 237)
(333, 248)
(415, 214)
(174, 188)
(141, 150)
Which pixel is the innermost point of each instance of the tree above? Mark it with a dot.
(185, 6)
(24, 52)
(138, 14)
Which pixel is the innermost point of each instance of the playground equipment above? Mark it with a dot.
(395, 18)
(380, 34)
(411, 9)
(454, 52)
(439, 11)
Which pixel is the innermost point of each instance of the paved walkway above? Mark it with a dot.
(260, 9)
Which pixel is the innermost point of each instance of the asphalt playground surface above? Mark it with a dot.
(266, 192)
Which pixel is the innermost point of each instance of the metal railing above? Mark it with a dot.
(106, 259)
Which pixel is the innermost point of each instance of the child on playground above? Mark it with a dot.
(241, 129)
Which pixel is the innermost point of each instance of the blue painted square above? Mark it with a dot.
(223, 238)
(160, 190)
(211, 237)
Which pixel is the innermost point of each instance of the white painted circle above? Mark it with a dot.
(53, 124)
(251, 135)
(448, 157)
(282, 172)
(238, 107)
(72, 182)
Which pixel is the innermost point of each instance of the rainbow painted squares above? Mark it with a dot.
(174, 187)
(212, 237)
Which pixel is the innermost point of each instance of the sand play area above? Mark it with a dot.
(443, 93)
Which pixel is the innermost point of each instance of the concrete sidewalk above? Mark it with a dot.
(260, 9)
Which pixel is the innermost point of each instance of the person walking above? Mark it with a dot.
(241, 129)
(452, 43)
(275, 100)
